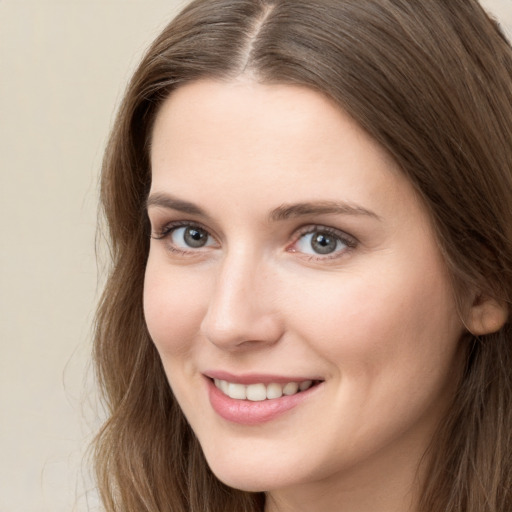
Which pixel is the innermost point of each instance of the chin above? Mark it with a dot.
(249, 476)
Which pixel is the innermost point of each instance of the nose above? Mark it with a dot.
(242, 312)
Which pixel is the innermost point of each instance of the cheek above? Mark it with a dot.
(392, 346)
(380, 325)
(174, 306)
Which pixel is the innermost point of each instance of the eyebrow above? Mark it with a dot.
(282, 212)
(286, 211)
(173, 203)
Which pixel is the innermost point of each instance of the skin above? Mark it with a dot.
(375, 320)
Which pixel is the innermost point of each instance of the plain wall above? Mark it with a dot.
(63, 67)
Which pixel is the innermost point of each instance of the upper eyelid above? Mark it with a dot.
(167, 227)
(311, 228)
(161, 217)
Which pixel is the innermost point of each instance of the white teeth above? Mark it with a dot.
(274, 391)
(256, 392)
(259, 392)
(291, 388)
(237, 391)
(222, 385)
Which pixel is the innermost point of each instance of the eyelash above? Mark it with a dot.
(348, 240)
(168, 229)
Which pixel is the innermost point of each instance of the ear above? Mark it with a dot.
(486, 315)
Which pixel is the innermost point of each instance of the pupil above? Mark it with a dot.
(323, 243)
(195, 237)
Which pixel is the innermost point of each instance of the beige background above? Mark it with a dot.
(63, 66)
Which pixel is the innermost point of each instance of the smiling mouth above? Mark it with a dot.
(259, 392)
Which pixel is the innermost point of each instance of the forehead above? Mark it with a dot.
(268, 114)
(277, 143)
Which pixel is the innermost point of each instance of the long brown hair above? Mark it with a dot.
(431, 81)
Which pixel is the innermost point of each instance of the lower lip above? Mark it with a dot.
(246, 412)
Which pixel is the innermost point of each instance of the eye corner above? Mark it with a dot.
(157, 234)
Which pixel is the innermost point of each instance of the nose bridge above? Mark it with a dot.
(240, 308)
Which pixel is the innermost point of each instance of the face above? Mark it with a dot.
(294, 288)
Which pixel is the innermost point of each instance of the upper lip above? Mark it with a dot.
(257, 378)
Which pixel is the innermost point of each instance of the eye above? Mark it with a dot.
(190, 237)
(323, 241)
(185, 237)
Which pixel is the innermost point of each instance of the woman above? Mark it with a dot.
(309, 204)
